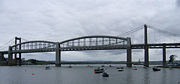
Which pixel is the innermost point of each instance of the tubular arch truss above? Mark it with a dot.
(94, 43)
(29, 45)
(98, 42)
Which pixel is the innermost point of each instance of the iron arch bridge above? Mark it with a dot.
(94, 43)
(33, 46)
(76, 44)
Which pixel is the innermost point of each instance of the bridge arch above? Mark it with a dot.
(30, 45)
(97, 42)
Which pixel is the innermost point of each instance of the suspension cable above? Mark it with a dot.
(132, 31)
(3, 46)
(163, 31)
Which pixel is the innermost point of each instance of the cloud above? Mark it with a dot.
(178, 3)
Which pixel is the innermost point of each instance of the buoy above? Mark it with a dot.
(33, 74)
(94, 72)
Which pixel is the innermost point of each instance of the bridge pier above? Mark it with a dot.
(164, 56)
(58, 55)
(146, 56)
(10, 56)
(2, 57)
(17, 60)
(129, 53)
(17, 41)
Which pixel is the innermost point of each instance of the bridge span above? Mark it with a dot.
(80, 44)
(97, 42)
(76, 44)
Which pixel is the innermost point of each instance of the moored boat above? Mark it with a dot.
(120, 69)
(47, 68)
(105, 74)
(70, 66)
(99, 70)
(156, 69)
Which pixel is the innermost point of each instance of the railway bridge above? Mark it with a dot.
(96, 42)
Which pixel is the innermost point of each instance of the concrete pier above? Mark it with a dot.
(129, 53)
(164, 56)
(17, 59)
(58, 55)
(10, 56)
(2, 57)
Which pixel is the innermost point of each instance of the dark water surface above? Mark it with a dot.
(85, 75)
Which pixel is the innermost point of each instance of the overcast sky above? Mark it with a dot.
(58, 20)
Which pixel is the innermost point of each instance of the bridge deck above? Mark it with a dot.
(133, 46)
(156, 46)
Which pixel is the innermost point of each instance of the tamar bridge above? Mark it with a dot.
(96, 42)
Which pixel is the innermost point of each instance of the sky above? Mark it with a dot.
(59, 20)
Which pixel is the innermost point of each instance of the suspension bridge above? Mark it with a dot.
(96, 42)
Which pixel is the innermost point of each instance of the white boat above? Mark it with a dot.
(120, 69)
(99, 70)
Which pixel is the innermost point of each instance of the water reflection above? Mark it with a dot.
(164, 76)
(129, 76)
(146, 79)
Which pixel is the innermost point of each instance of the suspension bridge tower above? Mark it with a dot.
(146, 48)
(16, 60)
(18, 41)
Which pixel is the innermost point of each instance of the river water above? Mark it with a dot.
(85, 75)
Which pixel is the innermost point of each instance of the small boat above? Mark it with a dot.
(156, 69)
(110, 65)
(102, 69)
(70, 66)
(120, 69)
(102, 65)
(47, 68)
(99, 70)
(105, 74)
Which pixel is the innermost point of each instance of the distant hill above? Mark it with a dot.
(41, 62)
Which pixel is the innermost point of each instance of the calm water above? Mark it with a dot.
(85, 75)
